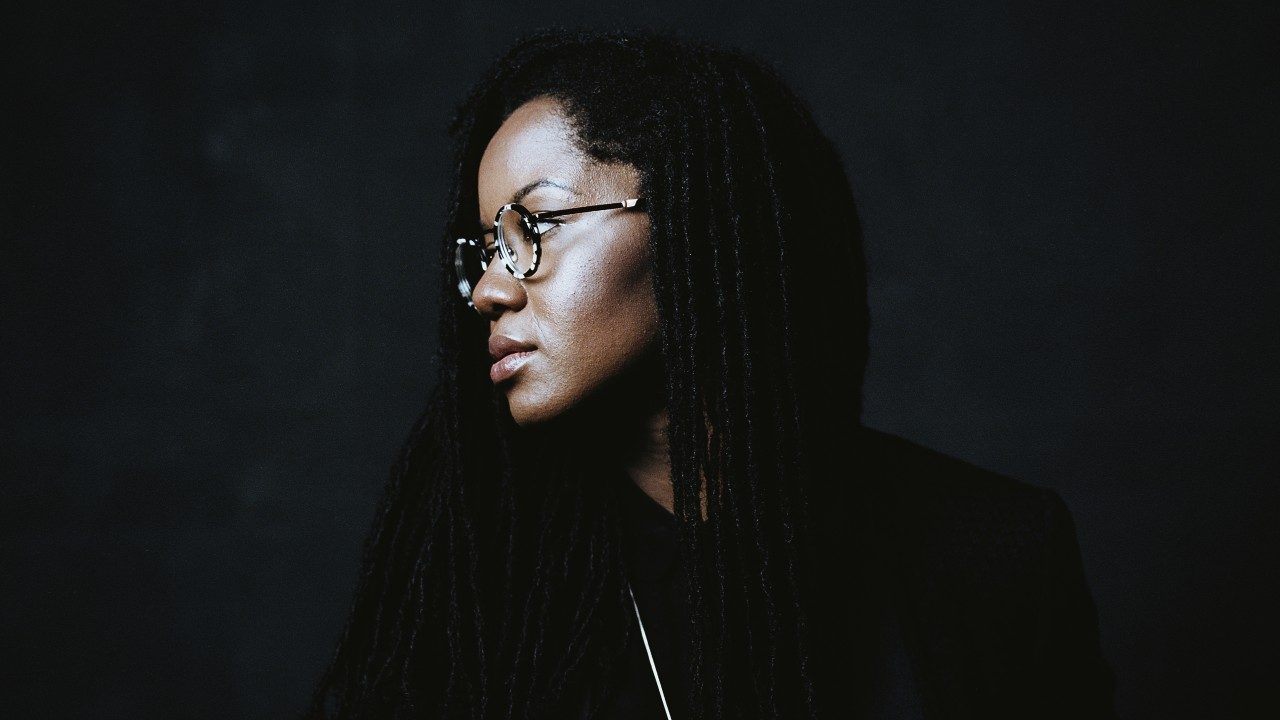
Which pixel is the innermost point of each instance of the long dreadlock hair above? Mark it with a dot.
(493, 578)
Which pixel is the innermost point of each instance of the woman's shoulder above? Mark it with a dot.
(989, 580)
(959, 525)
(934, 495)
(929, 475)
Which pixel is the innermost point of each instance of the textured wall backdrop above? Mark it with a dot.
(218, 322)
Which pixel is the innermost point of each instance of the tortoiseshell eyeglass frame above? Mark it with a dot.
(529, 221)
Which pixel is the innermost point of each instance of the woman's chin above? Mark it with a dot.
(634, 390)
(527, 411)
(573, 412)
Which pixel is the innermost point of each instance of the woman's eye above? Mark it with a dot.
(545, 226)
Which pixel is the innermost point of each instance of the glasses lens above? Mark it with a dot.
(467, 261)
(516, 239)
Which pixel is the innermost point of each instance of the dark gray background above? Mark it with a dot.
(218, 322)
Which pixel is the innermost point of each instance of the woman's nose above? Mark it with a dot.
(497, 291)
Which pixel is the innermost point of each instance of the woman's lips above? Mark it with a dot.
(508, 365)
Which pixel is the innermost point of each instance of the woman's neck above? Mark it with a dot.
(649, 467)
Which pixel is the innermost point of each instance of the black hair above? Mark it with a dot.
(493, 577)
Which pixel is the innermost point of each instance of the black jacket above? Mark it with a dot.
(986, 578)
(973, 598)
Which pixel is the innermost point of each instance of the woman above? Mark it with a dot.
(641, 488)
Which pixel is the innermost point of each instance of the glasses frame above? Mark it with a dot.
(529, 220)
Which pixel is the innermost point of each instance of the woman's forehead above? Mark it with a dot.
(536, 142)
(536, 154)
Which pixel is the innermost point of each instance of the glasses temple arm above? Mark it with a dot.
(633, 202)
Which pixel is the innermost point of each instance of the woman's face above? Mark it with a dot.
(588, 312)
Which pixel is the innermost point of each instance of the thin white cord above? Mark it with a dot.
(647, 651)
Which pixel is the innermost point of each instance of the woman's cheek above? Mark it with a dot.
(595, 313)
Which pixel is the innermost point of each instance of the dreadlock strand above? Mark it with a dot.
(726, 381)
(779, 403)
(686, 417)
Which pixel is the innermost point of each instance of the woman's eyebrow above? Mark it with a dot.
(523, 192)
(542, 182)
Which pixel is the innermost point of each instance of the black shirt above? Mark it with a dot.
(658, 581)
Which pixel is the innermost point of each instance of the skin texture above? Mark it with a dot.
(589, 308)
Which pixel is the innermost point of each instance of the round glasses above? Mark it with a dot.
(518, 241)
